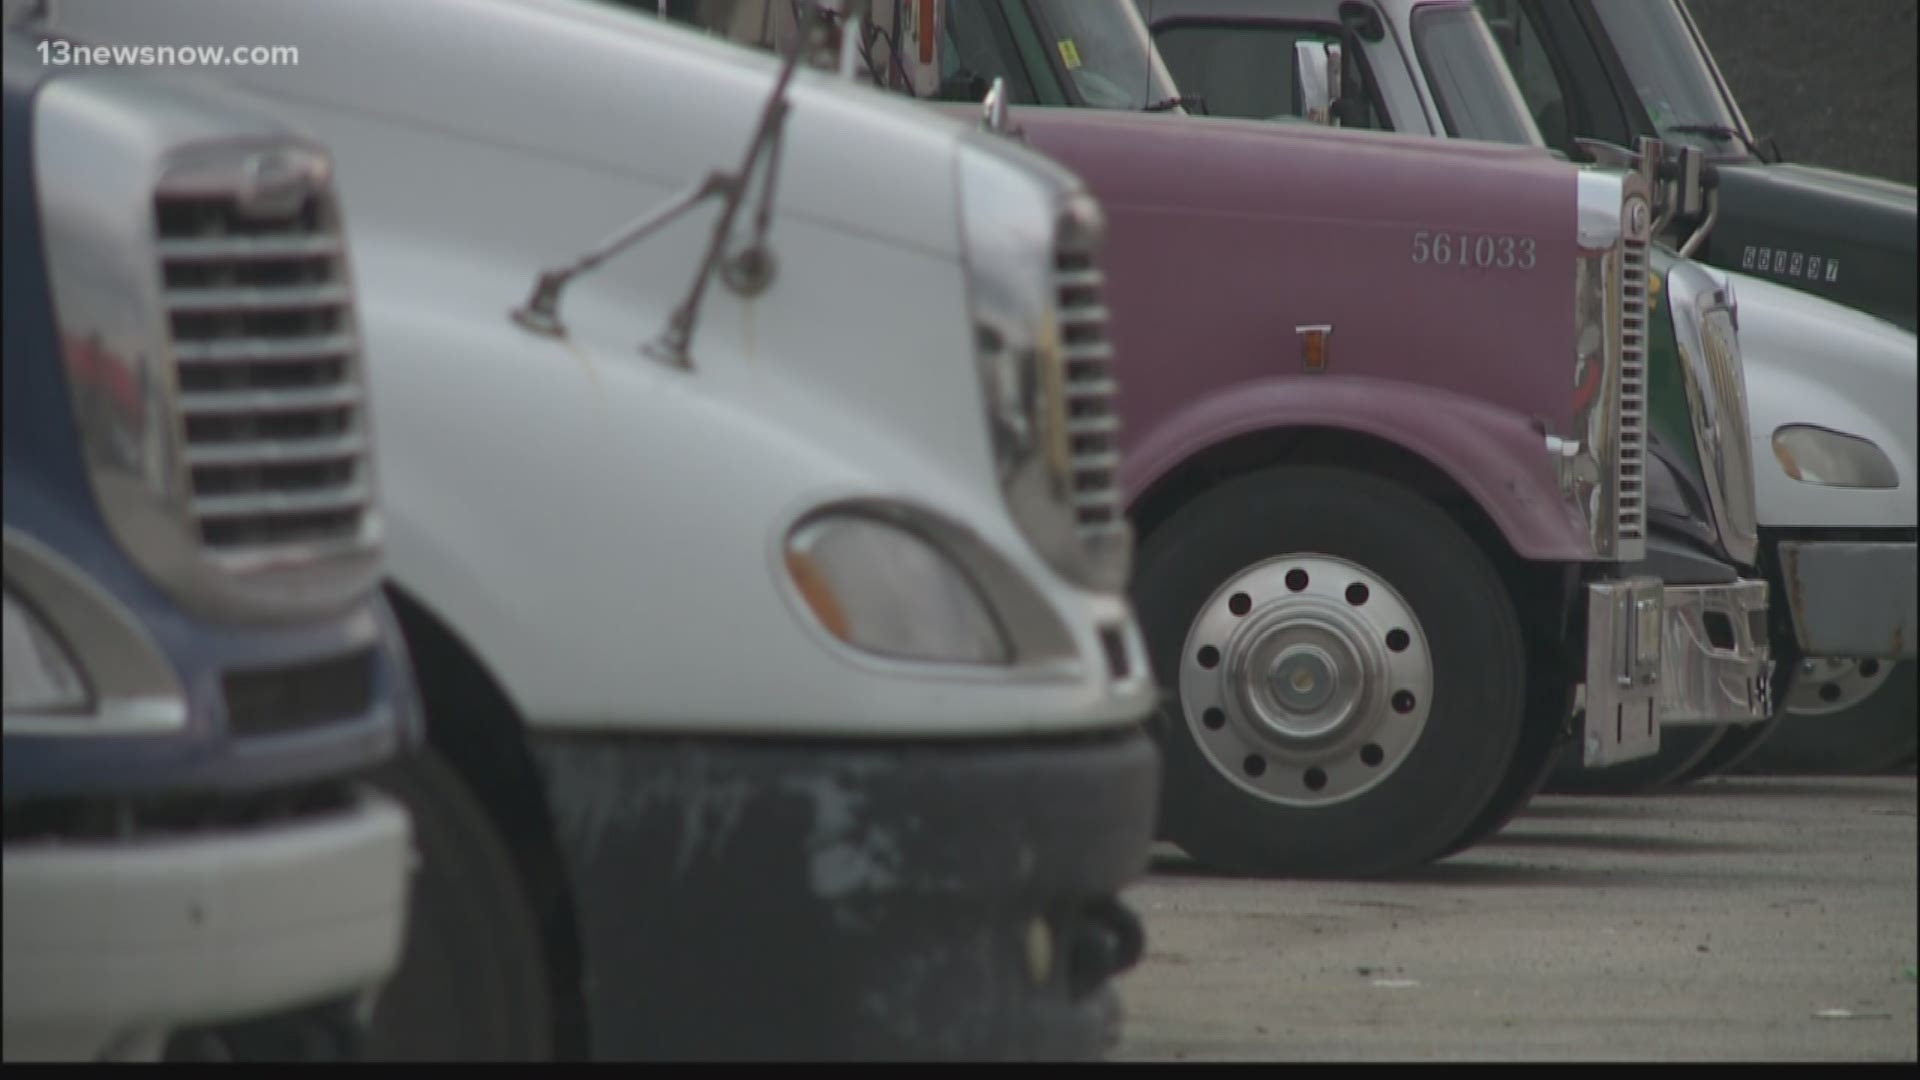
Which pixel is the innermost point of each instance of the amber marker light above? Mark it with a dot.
(811, 584)
(1313, 346)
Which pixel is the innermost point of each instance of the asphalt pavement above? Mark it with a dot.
(1751, 919)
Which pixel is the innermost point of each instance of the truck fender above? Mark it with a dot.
(1496, 456)
(1810, 361)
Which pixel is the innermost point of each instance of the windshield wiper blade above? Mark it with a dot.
(1719, 131)
(1184, 101)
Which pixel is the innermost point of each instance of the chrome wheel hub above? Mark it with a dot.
(1834, 684)
(1306, 679)
(1302, 678)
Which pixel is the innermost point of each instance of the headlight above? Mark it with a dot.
(41, 675)
(884, 590)
(1814, 455)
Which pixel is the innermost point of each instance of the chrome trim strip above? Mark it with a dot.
(1601, 465)
(134, 688)
(1598, 197)
(1630, 496)
(1704, 325)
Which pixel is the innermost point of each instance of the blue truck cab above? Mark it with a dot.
(200, 673)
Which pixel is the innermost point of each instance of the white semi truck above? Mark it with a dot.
(763, 569)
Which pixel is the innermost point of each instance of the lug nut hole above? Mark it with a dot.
(1398, 640)
(1403, 701)
(1209, 657)
(1240, 603)
(1371, 755)
(1829, 692)
(1869, 668)
(1357, 594)
(1315, 779)
(1296, 580)
(1255, 765)
(1214, 719)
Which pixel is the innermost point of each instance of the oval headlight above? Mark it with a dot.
(1814, 455)
(887, 591)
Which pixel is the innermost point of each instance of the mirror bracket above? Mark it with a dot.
(993, 108)
(1315, 80)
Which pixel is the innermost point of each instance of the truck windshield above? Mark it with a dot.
(1104, 49)
(1671, 76)
(1472, 87)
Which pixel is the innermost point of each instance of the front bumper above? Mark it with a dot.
(1851, 599)
(110, 944)
(1671, 654)
(757, 900)
(1718, 662)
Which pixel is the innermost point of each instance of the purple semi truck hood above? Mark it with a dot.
(1225, 236)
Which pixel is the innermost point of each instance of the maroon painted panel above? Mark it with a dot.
(1226, 235)
(1492, 453)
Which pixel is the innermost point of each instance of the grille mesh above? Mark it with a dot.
(1631, 511)
(265, 362)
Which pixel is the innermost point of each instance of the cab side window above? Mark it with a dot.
(975, 46)
(1244, 69)
(1533, 69)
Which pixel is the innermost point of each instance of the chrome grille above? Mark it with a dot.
(266, 366)
(1091, 422)
(1631, 508)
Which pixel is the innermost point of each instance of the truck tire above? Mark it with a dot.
(472, 981)
(1389, 700)
(1733, 749)
(1846, 718)
(1542, 740)
(1681, 748)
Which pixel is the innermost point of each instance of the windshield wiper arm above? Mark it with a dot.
(1719, 131)
(746, 273)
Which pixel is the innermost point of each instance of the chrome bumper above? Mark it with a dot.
(1851, 599)
(1680, 654)
(112, 943)
(1624, 646)
(1718, 660)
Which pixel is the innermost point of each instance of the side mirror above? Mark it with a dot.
(1675, 175)
(1350, 82)
(1316, 80)
(831, 42)
(1608, 154)
(993, 108)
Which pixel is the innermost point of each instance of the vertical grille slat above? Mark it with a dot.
(1091, 419)
(265, 358)
(1630, 509)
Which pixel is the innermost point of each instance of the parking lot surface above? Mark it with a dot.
(1739, 919)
